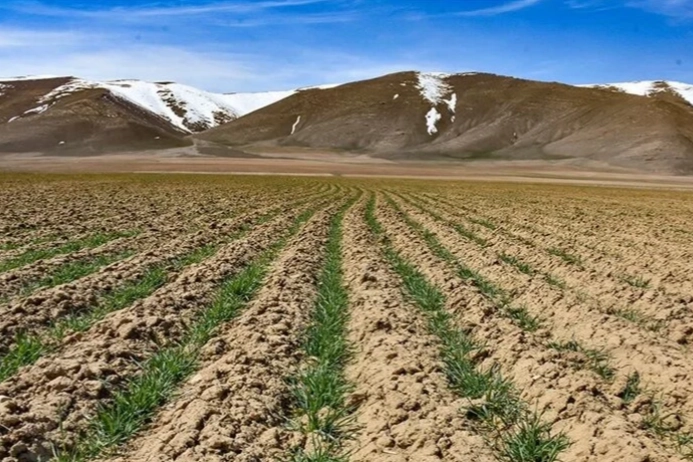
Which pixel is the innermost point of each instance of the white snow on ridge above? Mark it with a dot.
(432, 118)
(649, 87)
(434, 90)
(187, 108)
(432, 87)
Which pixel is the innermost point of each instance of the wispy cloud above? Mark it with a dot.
(500, 9)
(239, 7)
(14, 38)
(674, 8)
(678, 9)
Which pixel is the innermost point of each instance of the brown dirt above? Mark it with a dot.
(51, 400)
(495, 117)
(662, 363)
(405, 409)
(601, 278)
(232, 408)
(574, 400)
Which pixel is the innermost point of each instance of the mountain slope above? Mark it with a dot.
(69, 114)
(472, 116)
(664, 89)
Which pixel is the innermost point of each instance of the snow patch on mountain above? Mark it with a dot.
(188, 109)
(432, 86)
(432, 118)
(649, 88)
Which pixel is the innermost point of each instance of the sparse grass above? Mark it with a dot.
(632, 388)
(636, 281)
(72, 271)
(555, 281)
(10, 246)
(133, 406)
(531, 441)
(89, 242)
(630, 315)
(517, 434)
(461, 230)
(565, 256)
(597, 360)
(28, 348)
(523, 318)
(667, 425)
(494, 293)
(319, 389)
(517, 263)
(483, 222)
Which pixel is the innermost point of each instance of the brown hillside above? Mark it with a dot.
(494, 117)
(86, 122)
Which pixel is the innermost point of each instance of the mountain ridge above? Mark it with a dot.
(407, 115)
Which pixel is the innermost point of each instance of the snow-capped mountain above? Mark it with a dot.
(650, 88)
(186, 108)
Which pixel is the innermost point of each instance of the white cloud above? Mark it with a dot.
(40, 9)
(500, 9)
(25, 38)
(675, 8)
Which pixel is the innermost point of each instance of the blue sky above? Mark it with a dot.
(244, 45)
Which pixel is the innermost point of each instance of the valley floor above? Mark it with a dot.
(314, 163)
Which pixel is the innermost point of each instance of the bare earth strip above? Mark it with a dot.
(35, 311)
(405, 409)
(663, 266)
(51, 400)
(669, 313)
(662, 364)
(231, 409)
(599, 432)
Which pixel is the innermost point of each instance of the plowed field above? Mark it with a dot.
(204, 318)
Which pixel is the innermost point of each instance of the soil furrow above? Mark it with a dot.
(658, 268)
(572, 399)
(662, 364)
(231, 409)
(651, 307)
(405, 409)
(50, 401)
(46, 306)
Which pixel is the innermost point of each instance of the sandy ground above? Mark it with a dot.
(312, 163)
(606, 268)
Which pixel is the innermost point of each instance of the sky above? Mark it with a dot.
(243, 45)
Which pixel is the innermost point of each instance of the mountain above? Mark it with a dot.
(74, 115)
(412, 115)
(663, 89)
(646, 126)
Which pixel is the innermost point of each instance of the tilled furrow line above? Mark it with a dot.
(662, 364)
(15, 281)
(52, 399)
(649, 263)
(231, 409)
(572, 399)
(670, 298)
(174, 222)
(648, 310)
(405, 410)
(36, 311)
